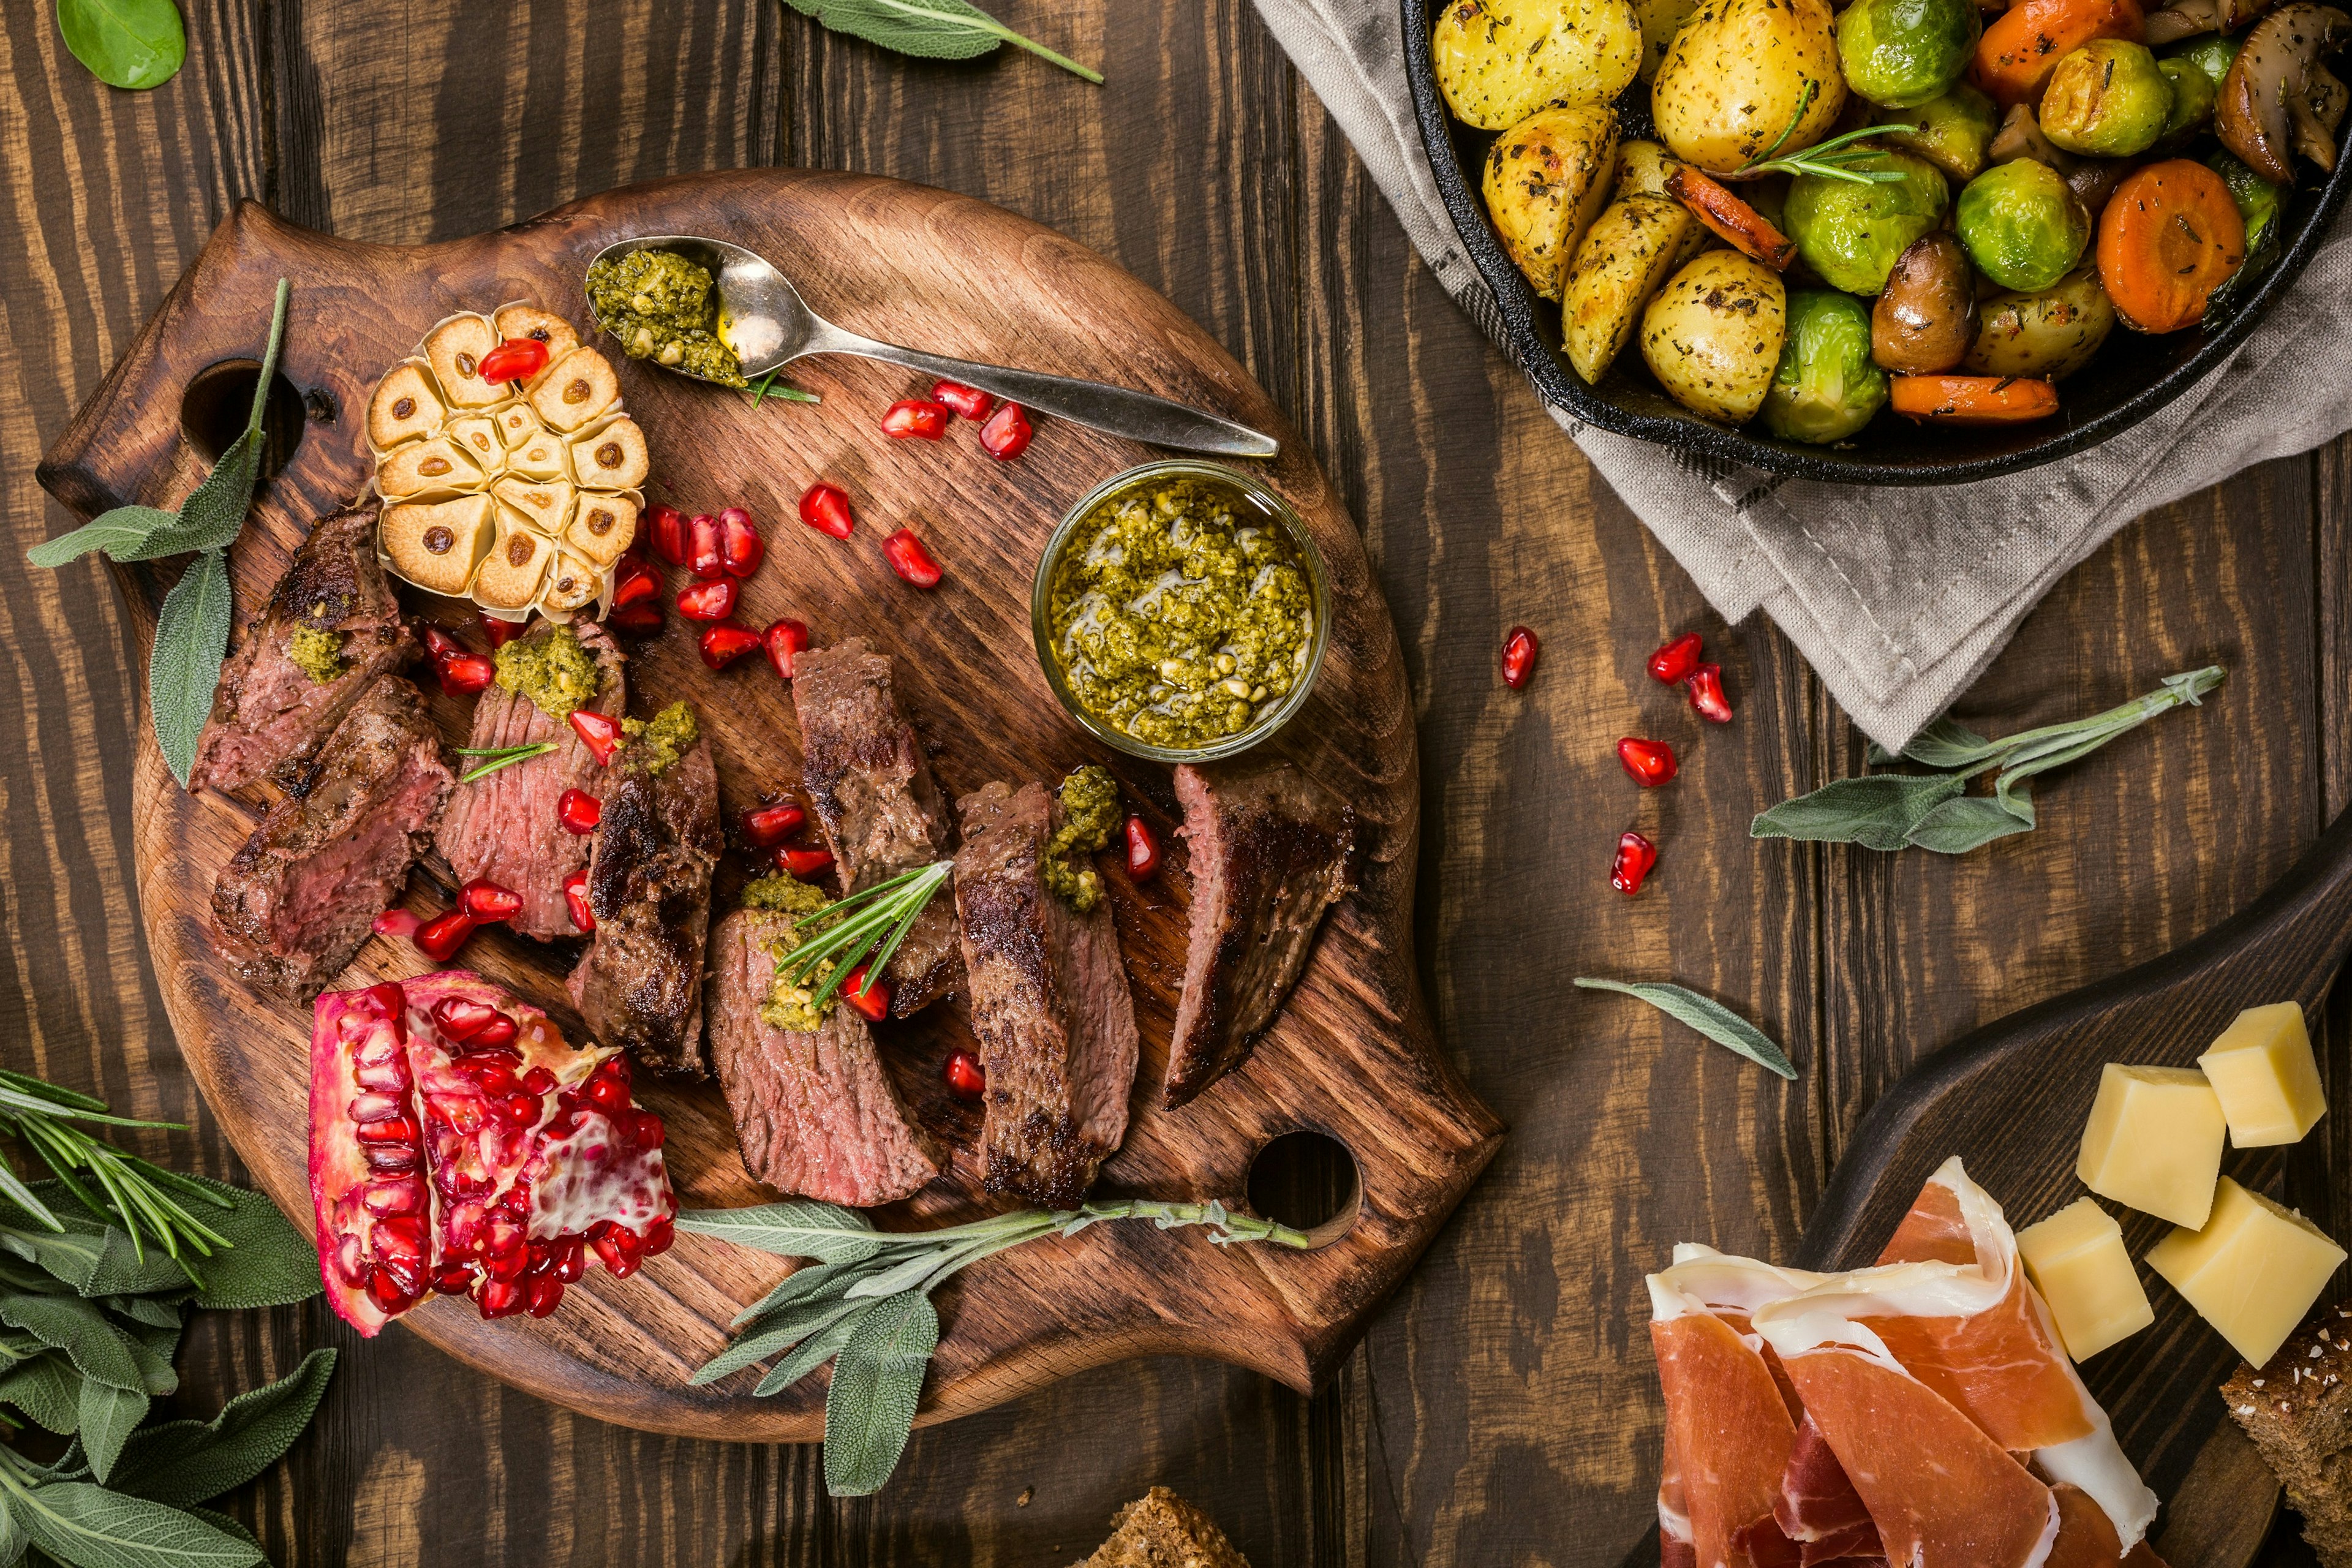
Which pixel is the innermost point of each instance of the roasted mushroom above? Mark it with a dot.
(2279, 96)
(2020, 137)
(1926, 317)
(2187, 18)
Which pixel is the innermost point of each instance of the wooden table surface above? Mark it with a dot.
(1472, 1426)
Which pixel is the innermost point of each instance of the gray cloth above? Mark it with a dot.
(1899, 597)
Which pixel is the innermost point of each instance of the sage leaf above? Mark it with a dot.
(214, 514)
(13, 1539)
(829, 1280)
(268, 1262)
(1971, 821)
(91, 1527)
(125, 529)
(185, 1462)
(814, 1351)
(877, 1380)
(1708, 1017)
(226, 1525)
(48, 1390)
(795, 1228)
(1878, 811)
(67, 1323)
(1944, 743)
(191, 640)
(132, 43)
(108, 1416)
(776, 1335)
(928, 29)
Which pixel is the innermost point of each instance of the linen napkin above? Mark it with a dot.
(1898, 597)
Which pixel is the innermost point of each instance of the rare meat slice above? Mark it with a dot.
(503, 825)
(640, 984)
(1049, 1004)
(295, 903)
(815, 1112)
(1269, 852)
(881, 810)
(268, 715)
(1819, 1509)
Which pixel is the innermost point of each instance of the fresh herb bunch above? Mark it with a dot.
(1933, 811)
(932, 29)
(146, 1198)
(1831, 159)
(854, 927)
(501, 757)
(134, 44)
(865, 1304)
(192, 630)
(1705, 1013)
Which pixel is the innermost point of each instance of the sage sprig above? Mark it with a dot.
(863, 1303)
(855, 926)
(931, 29)
(1933, 810)
(1705, 1013)
(192, 628)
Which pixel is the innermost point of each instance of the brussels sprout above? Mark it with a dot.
(1850, 233)
(1955, 131)
(2210, 53)
(1825, 387)
(2106, 100)
(2192, 101)
(1902, 52)
(2024, 229)
(2256, 197)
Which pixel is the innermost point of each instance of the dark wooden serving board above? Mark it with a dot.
(1351, 1056)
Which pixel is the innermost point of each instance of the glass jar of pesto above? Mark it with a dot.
(1181, 611)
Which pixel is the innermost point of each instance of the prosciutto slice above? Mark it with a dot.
(1819, 1509)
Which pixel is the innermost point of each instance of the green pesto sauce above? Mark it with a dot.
(663, 308)
(791, 1006)
(656, 746)
(1179, 618)
(317, 654)
(554, 671)
(1090, 814)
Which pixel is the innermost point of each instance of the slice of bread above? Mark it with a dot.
(1160, 1530)
(2298, 1410)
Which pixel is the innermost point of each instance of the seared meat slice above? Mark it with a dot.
(295, 903)
(1269, 852)
(268, 716)
(880, 809)
(503, 825)
(640, 984)
(815, 1113)
(1049, 1004)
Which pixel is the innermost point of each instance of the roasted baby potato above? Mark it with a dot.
(1743, 76)
(1627, 255)
(1641, 170)
(1661, 20)
(2049, 335)
(1713, 336)
(1546, 178)
(1499, 62)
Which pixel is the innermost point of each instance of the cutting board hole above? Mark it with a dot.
(1307, 1180)
(218, 402)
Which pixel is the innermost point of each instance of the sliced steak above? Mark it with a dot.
(881, 810)
(268, 716)
(640, 984)
(1269, 852)
(295, 903)
(503, 825)
(1049, 1004)
(815, 1113)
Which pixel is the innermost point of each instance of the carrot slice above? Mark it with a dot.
(2168, 238)
(2023, 45)
(1973, 399)
(1747, 230)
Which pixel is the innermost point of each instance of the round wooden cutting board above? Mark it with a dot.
(1351, 1054)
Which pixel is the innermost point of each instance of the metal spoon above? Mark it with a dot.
(763, 320)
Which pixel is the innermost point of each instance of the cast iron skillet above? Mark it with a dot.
(2132, 377)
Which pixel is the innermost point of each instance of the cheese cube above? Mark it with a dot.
(2251, 1272)
(2077, 1259)
(2154, 1142)
(2262, 1066)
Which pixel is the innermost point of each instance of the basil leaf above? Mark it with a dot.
(91, 1527)
(134, 43)
(877, 1380)
(191, 640)
(929, 29)
(1708, 1017)
(108, 1416)
(184, 1462)
(818, 1349)
(95, 1346)
(1878, 811)
(1971, 821)
(795, 1228)
(126, 528)
(47, 1389)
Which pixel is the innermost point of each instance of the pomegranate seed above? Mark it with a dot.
(711, 601)
(969, 402)
(665, 529)
(599, 733)
(741, 547)
(441, 648)
(570, 1259)
(466, 674)
(384, 1290)
(501, 1298)
(870, 997)
(546, 1295)
(825, 508)
(703, 556)
(1143, 849)
(1635, 856)
(487, 903)
(392, 1130)
(1705, 684)
(518, 1109)
(726, 642)
(396, 923)
(1649, 762)
(1674, 661)
(461, 1020)
(1519, 650)
(659, 1233)
(575, 899)
(606, 1095)
(783, 639)
(642, 620)
(914, 417)
(538, 1080)
(1006, 434)
(648, 1132)
(764, 827)
(804, 863)
(966, 1079)
(495, 1077)
(498, 1033)
(454, 1279)
(363, 1108)
(516, 359)
(614, 1067)
(440, 937)
(633, 581)
(500, 632)
(579, 812)
(910, 560)
(384, 1199)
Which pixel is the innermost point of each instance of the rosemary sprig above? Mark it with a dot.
(877, 918)
(143, 1196)
(766, 387)
(1831, 160)
(501, 757)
